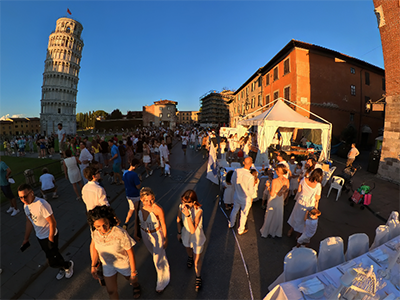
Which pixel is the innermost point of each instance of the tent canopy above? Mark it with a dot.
(280, 115)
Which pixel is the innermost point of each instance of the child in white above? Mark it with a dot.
(294, 179)
(256, 183)
(167, 169)
(229, 191)
(310, 227)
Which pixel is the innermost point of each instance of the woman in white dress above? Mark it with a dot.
(150, 218)
(72, 172)
(307, 198)
(113, 247)
(273, 220)
(190, 231)
(147, 159)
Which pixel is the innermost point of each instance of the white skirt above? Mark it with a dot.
(146, 159)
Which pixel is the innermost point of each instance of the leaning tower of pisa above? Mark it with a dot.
(60, 77)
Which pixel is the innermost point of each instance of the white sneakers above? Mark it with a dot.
(151, 172)
(13, 211)
(69, 272)
(60, 274)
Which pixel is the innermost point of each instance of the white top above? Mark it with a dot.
(285, 163)
(85, 155)
(47, 181)
(196, 239)
(167, 168)
(185, 140)
(37, 212)
(94, 195)
(244, 184)
(310, 227)
(164, 150)
(307, 195)
(112, 247)
(353, 153)
(60, 134)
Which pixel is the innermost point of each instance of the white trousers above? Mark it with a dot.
(244, 207)
(154, 243)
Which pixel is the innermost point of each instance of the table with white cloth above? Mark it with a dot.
(330, 278)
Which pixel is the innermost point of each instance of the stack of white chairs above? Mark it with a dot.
(300, 262)
(357, 245)
(394, 224)
(235, 165)
(330, 253)
(381, 236)
(337, 183)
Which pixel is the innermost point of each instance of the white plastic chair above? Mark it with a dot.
(330, 253)
(300, 262)
(337, 183)
(357, 245)
(327, 176)
(394, 215)
(223, 163)
(235, 165)
(381, 236)
(394, 228)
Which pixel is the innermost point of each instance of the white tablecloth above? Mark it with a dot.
(289, 290)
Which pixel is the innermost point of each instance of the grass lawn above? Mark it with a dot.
(19, 164)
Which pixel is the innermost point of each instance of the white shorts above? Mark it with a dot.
(132, 201)
(109, 271)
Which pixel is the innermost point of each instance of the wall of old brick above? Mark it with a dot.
(389, 167)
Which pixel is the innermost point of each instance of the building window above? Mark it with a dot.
(160, 115)
(259, 81)
(252, 102)
(267, 79)
(266, 99)
(247, 91)
(169, 115)
(383, 84)
(276, 74)
(276, 95)
(259, 100)
(59, 110)
(367, 78)
(351, 117)
(353, 90)
(286, 93)
(286, 67)
(352, 71)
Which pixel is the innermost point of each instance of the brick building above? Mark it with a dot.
(19, 126)
(215, 107)
(161, 113)
(328, 83)
(388, 14)
(187, 117)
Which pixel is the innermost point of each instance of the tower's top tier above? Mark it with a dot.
(70, 26)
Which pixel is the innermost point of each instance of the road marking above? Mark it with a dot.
(241, 255)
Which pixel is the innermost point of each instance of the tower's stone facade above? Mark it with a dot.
(60, 77)
(388, 14)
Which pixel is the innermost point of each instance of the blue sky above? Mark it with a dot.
(138, 52)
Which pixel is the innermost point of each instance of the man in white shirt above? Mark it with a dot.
(351, 156)
(164, 154)
(39, 216)
(243, 183)
(92, 193)
(61, 138)
(85, 158)
(48, 184)
(281, 161)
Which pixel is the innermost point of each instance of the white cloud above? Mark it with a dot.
(13, 116)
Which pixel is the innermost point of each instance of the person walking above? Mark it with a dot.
(61, 139)
(72, 172)
(116, 159)
(147, 159)
(243, 198)
(39, 216)
(190, 231)
(351, 156)
(132, 185)
(150, 221)
(307, 198)
(92, 193)
(164, 155)
(85, 158)
(5, 173)
(113, 247)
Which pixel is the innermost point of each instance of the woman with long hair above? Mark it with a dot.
(150, 221)
(72, 172)
(113, 247)
(273, 220)
(147, 159)
(307, 198)
(190, 231)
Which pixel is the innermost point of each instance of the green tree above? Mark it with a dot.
(115, 114)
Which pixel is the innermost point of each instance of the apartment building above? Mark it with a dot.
(187, 117)
(19, 126)
(161, 113)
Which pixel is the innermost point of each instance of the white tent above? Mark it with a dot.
(281, 116)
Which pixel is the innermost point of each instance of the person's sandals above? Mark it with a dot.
(190, 261)
(136, 291)
(197, 285)
(290, 232)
